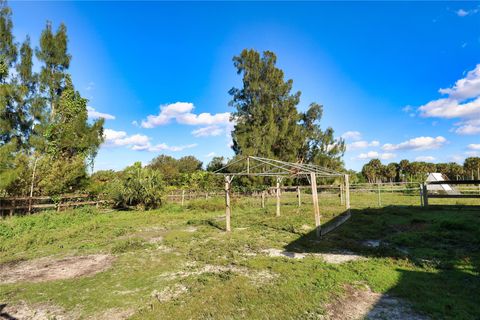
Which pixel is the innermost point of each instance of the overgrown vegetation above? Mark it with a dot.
(430, 258)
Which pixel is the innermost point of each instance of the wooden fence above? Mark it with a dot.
(10, 206)
(425, 195)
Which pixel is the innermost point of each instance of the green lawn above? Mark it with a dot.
(430, 257)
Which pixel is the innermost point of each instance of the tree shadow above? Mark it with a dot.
(441, 247)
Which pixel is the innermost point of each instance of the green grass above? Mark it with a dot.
(430, 258)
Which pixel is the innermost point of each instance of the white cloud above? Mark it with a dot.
(461, 13)
(419, 143)
(162, 147)
(468, 127)
(210, 155)
(209, 131)
(425, 158)
(120, 138)
(90, 86)
(182, 113)
(464, 13)
(376, 155)
(474, 146)
(138, 142)
(462, 101)
(352, 135)
(93, 114)
(362, 144)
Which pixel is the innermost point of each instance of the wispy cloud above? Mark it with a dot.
(138, 142)
(181, 112)
(464, 13)
(94, 114)
(474, 146)
(362, 144)
(376, 155)
(352, 135)
(419, 143)
(210, 131)
(462, 102)
(425, 158)
(210, 155)
(162, 147)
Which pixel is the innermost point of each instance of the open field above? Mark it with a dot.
(178, 263)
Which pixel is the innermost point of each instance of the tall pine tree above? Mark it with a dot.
(267, 121)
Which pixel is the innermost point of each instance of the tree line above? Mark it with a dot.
(46, 140)
(405, 171)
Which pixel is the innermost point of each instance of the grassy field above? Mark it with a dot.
(178, 263)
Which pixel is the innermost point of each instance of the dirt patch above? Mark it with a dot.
(256, 276)
(334, 258)
(113, 314)
(49, 269)
(24, 311)
(155, 240)
(190, 229)
(169, 293)
(362, 303)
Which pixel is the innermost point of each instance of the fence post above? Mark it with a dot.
(12, 209)
(347, 192)
(316, 209)
(278, 196)
(342, 200)
(421, 195)
(263, 199)
(183, 197)
(425, 195)
(299, 196)
(379, 195)
(227, 203)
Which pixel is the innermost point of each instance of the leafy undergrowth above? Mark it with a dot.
(178, 263)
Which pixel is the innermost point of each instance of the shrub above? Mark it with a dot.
(140, 187)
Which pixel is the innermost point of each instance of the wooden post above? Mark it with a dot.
(278, 196)
(263, 199)
(347, 192)
(425, 195)
(379, 196)
(316, 209)
(12, 209)
(227, 203)
(421, 195)
(183, 197)
(342, 200)
(299, 196)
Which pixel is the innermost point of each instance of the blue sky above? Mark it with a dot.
(397, 79)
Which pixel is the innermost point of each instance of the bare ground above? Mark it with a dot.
(49, 269)
(257, 277)
(362, 303)
(23, 311)
(334, 258)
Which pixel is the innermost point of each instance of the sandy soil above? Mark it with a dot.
(334, 258)
(49, 269)
(362, 303)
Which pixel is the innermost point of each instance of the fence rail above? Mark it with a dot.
(10, 206)
(425, 195)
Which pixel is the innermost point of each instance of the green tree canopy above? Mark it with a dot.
(267, 121)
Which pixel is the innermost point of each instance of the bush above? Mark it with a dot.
(140, 187)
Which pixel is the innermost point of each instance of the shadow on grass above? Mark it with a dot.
(441, 246)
